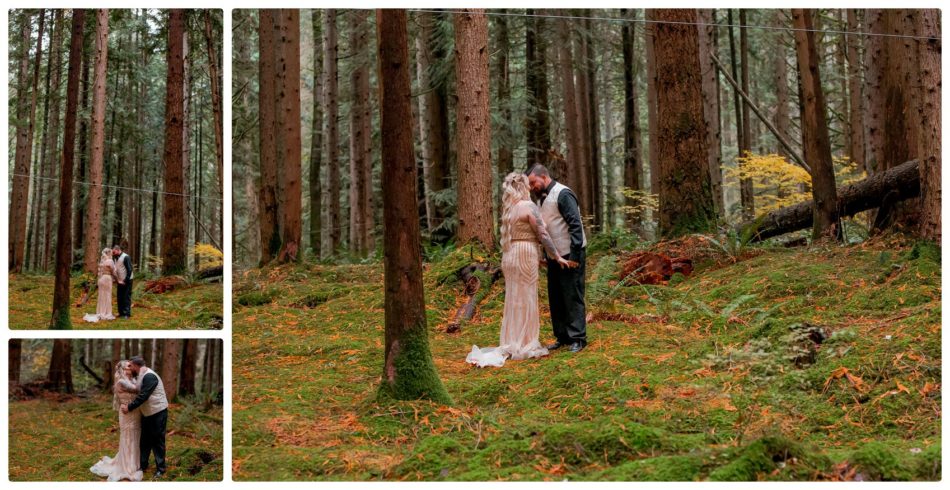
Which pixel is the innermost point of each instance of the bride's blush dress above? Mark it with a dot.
(520, 324)
(104, 294)
(125, 464)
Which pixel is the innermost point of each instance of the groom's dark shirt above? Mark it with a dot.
(127, 261)
(569, 209)
(149, 382)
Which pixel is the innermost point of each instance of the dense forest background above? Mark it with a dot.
(582, 91)
(117, 129)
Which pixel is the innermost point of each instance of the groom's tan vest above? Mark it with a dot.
(555, 223)
(157, 401)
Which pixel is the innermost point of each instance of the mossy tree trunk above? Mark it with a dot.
(408, 370)
(64, 242)
(174, 232)
(60, 374)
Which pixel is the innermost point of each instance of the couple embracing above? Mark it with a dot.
(555, 225)
(115, 266)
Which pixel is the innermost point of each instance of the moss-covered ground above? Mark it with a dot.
(197, 306)
(714, 377)
(53, 440)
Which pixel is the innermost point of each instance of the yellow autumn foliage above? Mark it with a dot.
(208, 256)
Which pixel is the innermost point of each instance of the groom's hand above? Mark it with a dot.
(125, 408)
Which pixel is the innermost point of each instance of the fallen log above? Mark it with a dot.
(216, 271)
(473, 284)
(82, 362)
(896, 184)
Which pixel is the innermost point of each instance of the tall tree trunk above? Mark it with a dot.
(289, 157)
(632, 153)
(186, 384)
(316, 137)
(408, 370)
(875, 65)
(95, 204)
(330, 90)
(575, 146)
(52, 136)
(502, 75)
(13, 364)
(60, 374)
(593, 123)
(434, 118)
(652, 123)
(216, 108)
(686, 202)
(171, 363)
(746, 191)
(538, 125)
(782, 119)
(473, 129)
(707, 47)
(855, 90)
(26, 123)
(361, 156)
(268, 124)
(584, 164)
(60, 317)
(928, 150)
(815, 129)
(174, 255)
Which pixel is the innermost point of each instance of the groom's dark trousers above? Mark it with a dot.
(566, 297)
(124, 298)
(153, 440)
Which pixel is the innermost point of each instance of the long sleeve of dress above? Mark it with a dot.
(149, 383)
(534, 218)
(127, 386)
(568, 207)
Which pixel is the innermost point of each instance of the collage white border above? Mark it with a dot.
(225, 333)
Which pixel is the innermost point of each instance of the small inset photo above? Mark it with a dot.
(116, 410)
(115, 169)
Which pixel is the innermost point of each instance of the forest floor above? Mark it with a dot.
(58, 440)
(198, 306)
(713, 377)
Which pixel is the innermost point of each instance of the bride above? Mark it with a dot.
(521, 230)
(125, 465)
(107, 275)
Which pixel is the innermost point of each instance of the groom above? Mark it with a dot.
(562, 217)
(124, 270)
(154, 405)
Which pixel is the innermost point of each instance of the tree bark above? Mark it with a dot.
(361, 144)
(95, 204)
(289, 158)
(473, 129)
(746, 191)
(216, 109)
(856, 108)
(16, 348)
(538, 124)
(60, 317)
(633, 163)
(503, 77)
(174, 256)
(60, 374)
(408, 370)
(595, 185)
(652, 131)
(186, 385)
(267, 111)
(575, 147)
(707, 46)
(26, 124)
(817, 144)
(686, 202)
(332, 132)
(434, 117)
(929, 144)
(316, 138)
(171, 363)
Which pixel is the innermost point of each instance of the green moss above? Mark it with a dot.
(60, 320)
(255, 298)
(433, 458)
(415, 374)
(879, 461)
(929, 464)
(661, 468)
(613, 440)
(756, 460)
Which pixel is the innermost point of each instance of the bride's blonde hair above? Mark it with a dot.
(106, 254)
(118, 374)
(514, 189)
